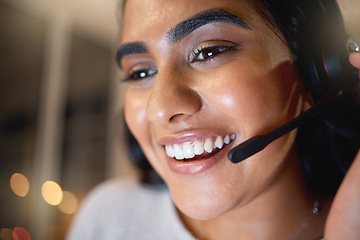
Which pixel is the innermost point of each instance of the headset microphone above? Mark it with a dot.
(258, 143)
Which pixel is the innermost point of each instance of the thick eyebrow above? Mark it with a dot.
(128, 49)
(183, 29)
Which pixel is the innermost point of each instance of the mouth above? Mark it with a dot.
(199, 148)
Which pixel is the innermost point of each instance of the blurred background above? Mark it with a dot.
(61, 127)
(60, 110)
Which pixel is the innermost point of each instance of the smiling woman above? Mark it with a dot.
(203, 77)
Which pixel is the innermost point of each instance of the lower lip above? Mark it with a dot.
(195, 166)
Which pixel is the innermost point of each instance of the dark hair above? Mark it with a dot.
(326, 144)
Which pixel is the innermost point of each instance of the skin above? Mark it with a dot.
(247, 91)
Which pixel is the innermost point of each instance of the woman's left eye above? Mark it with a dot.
(202, 54)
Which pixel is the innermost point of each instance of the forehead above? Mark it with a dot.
(147, 19)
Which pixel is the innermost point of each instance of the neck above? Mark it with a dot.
(277, 213)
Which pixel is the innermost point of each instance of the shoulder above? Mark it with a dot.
(125, 197)
(125, 209)
(116, 191)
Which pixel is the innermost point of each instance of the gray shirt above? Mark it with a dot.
(119, 209)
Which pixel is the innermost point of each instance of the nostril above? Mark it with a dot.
(189, 103)
(174, 116)
(177, 116)
(172, 97)
(173, 104)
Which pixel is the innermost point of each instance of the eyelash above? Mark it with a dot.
(140, 74)
(212, 51)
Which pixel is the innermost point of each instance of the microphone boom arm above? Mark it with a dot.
(258, 143)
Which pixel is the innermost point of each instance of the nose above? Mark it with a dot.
(172, 98)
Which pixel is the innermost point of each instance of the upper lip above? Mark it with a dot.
(190, 136)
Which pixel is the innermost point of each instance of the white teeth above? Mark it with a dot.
(219, 143)
(227, 139)
(169, 151)
(189, 150)
(178, 152)
(198, 148)
(209, 145)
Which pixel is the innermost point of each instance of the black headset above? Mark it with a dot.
(334, 84)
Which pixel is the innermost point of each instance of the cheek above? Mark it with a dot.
(253, 98)
(135, 115)
(134, 108)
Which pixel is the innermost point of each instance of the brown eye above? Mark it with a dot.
(208, 50)
(208, 53)
(140, 74)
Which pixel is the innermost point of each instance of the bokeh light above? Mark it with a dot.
(19, 184)
(20, 233)
(69, 203)
(52, 193)
(6, 233)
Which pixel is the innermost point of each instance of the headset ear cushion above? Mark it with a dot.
(327, 67)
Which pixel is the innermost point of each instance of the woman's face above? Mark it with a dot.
(202, 77)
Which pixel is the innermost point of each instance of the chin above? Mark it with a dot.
(204, 212)
(204, 205)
